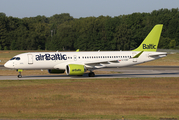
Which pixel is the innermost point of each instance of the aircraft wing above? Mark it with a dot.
(87, 64)
(99, 64)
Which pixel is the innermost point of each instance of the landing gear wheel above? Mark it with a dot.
(91, 74)
(19, 76)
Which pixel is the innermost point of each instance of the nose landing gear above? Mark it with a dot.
(19, 70)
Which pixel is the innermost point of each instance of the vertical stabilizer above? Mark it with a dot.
(150, 43)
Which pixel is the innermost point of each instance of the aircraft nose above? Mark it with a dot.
(8, 65)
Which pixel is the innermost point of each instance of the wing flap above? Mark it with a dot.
(101, 62)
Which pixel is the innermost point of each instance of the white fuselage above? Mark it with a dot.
(91, 60)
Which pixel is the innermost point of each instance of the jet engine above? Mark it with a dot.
(75, 69)
(55, 71)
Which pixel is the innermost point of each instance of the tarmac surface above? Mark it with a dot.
(126, 72)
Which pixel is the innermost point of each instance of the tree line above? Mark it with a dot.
(63, 32)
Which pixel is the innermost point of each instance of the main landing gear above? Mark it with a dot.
(19, 70)
(91, 74)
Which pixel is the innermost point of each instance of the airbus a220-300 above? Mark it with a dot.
(77, 63)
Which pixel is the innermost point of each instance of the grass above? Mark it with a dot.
(9, 72)
(133, 98)
(169, 60)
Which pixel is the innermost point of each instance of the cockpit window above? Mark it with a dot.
(15, 58)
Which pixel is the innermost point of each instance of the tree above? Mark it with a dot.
(164, 43)
(172, 44)
(63, 32)
(2, 14)
(3, 30)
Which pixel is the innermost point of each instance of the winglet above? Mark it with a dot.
(150, 43)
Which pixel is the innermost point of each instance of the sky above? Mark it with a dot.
(82, 8)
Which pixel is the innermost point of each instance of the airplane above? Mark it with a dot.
(77, 63)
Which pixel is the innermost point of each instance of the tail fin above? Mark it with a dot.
(150, 43)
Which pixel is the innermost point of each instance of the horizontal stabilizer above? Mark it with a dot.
(158, 54)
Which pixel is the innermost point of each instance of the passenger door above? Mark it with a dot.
(30, 58)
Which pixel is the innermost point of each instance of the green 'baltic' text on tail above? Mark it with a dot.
(150, 43)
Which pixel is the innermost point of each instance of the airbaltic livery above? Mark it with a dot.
(77, 63)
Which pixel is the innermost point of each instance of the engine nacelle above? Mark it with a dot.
(75, 69)
(55, 71)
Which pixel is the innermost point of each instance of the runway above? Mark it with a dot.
(126, 72)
